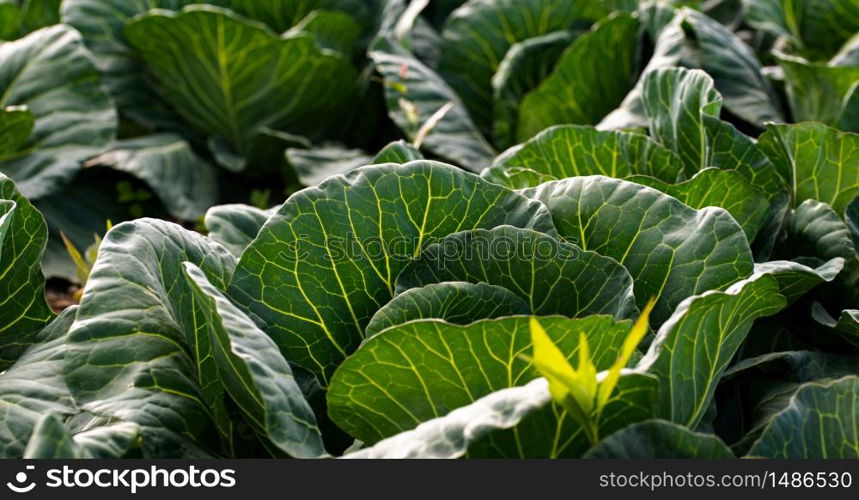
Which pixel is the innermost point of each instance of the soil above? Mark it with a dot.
(61, 294)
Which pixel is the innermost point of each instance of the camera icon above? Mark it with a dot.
(21, 479)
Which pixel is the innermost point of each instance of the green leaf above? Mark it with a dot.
(822, 93)
(313, 166)
(631, 402)
(683, 107)
(254, 373)
(814, 229)
(53, 75)
(571, 151)
(552, 276)
(10, 19)
(755, 389)
(693, 348)
(848, 55)
(817, 161)
(284, 14)
(236, 226)
(655, 439)
(23, 310)
(816, 26)
(516, 177)
(477, 36)
(575, 92)
(438, 367)
(459, 303)
(672, 251)
(676, 101)
(795, 279)
(51, 440)
(36, 14)
(730, 149)
(508, 423)
(663, 27)
(335, 31)
(818, 423)
(726, 189)
(334, 251)
(525, 65)
(845, 326)
(183, 181)
(136, 352)
(34, 386)
(289, 82)
(415, 94)
(16, 125)
(400, 152)
(451, 435)
(101, 22)
(735, 69)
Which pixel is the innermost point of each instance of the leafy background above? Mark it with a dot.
(174, 175)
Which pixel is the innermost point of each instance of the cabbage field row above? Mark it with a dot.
(429, 228)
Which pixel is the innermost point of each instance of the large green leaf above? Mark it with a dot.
(421, 370)
(590, 80)
(101, 22)
(51, 440)
(451, 435)
(284, 14)
(512, 423)
(676, 101)
(553, 276)
(184, 182)
(35, 386)
(417, 96)
(253, 371)
(735, 69)
(672, 251)
(36, 14)
(235, 226)
(570, 151)
(693, 348)
(230, 77)
(51, 72)
(663, 27)
(816, 26)
(659, 439)
(755, 389)
(136, 351)
(525, 65)
(795, 279)
(457, 302)
(334, 251)
(846, 325)
(23, 236)
(683, 108)
(822, 93)
(10, 19)
(713, 187)
(477, 36)
(16, 125)
(820, 422)
(818, 162)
